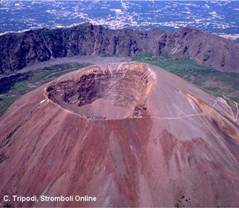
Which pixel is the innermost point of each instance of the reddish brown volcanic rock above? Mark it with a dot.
(113, 92)
(129, 134)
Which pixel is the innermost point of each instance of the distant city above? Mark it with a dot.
(218, 17)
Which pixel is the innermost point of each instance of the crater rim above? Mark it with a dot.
(105, 91)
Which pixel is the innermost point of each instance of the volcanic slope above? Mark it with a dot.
(130, 134)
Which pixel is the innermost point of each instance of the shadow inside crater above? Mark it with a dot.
(108, 92)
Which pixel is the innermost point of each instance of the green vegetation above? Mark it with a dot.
(210, 80)
(5, 102)
(207, 78)
(15, 87)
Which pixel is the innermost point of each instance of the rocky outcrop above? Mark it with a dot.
(18, 50)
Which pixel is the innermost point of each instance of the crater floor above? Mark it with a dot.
(105, 91)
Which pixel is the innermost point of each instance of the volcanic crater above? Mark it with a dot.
(105, 91)
(162, 141)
